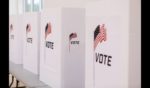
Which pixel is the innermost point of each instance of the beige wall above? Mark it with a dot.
(15, 7)
(135, 44)
(12, 7)
(68, 3)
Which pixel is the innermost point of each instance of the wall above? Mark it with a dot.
(20, 6)
(17, 7)
(13, 7)
(68, 3)
(135, 44)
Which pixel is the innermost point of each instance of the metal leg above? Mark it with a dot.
(17, 82)
(11, 81)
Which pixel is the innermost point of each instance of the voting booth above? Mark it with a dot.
(113, 49)
(62, 51)
(15, 39)
(31, 38)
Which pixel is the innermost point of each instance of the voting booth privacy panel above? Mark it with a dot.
(107, 52)
(31, 30)
(62, 51)
(15, 39)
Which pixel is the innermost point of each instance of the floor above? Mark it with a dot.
(20, 85)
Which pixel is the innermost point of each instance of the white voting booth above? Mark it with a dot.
(62, 52)
(15, 39)
(31, 31)
(113, 49)
(95, 47)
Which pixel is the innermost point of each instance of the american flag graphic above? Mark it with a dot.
(28, 28)
(99, 35)
(47, 29)
(71, 36)
(11, 27)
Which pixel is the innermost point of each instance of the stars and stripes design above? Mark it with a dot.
(99, 35)
(28, 28)
(71, 36)
(11, 27)
(47, 29)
